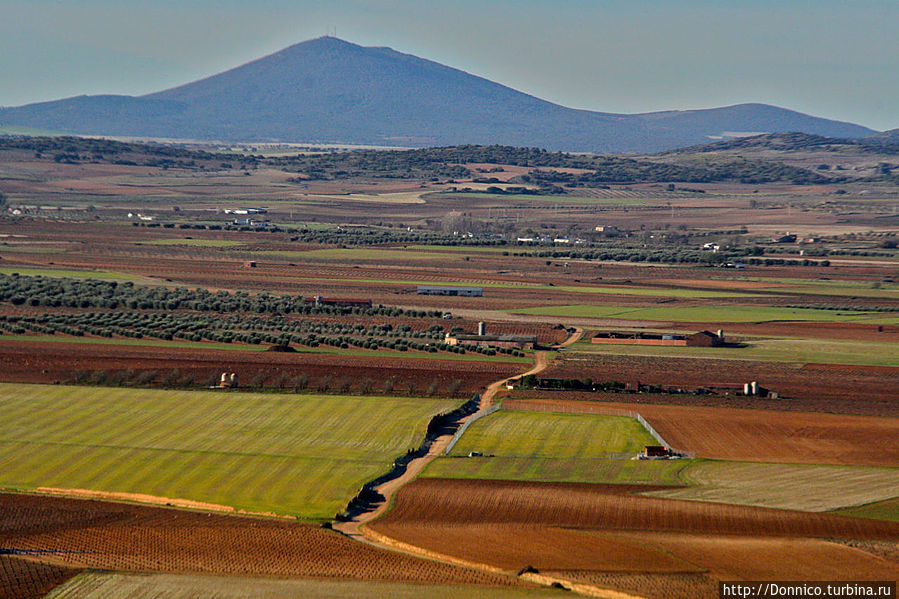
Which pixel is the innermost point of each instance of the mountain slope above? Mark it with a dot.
(329, 90)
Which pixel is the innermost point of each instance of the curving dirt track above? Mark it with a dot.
(356, 528)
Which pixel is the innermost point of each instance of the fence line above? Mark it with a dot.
(466, 424)
(549, 406)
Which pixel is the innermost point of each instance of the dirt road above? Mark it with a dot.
(356, 528)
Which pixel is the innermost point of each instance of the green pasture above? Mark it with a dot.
(213, 243)
(798, 351)
(109, 585)
(875, 289)
(552, 446)
(880, 510)
(304, 455)
(708, 314)
(70, 274)
(211, 345)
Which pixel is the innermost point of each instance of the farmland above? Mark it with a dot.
(520, 445)
(796, 351)
(760, 435)
(302, 455)
(117, 536)
(500, 523)
(173, 586)
(126, 322)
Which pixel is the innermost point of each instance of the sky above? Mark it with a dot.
(833, 59)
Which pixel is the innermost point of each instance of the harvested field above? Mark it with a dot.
(104, 535)
(812, 388)
(758, 435)
(174, 586)
(803, 487)
(564, 527)
(302, 455)
(25, 578)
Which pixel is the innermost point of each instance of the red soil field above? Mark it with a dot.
(25, 578)
(106, 535)
(47, 362)
(816, 388)
(755, 435)
(602, 529)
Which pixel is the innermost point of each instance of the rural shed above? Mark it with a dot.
(441, 290)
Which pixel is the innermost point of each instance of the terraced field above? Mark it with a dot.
(302, 455)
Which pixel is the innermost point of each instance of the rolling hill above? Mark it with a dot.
(330, 90)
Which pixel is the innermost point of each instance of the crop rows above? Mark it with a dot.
(275, 330)
(137, 538)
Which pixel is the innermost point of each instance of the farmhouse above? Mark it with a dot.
(700, 339)
(438, 290)
(340, 302)
(482, 338)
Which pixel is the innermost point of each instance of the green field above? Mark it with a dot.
(710, 314)
(303, 455)
(70, 274)
(550, 446)
(214, 243)
(95, 585)
(881, 510)
(797, 351)
(806, 487)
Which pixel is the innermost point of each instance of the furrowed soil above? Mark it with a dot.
(25, 578)
(49, 362)
(755, 435)
(867, 390)
(114, 536)
(603, 529)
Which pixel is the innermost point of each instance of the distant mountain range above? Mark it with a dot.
(327, 90)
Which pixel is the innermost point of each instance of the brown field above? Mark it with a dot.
(597, 530)
(114, 536)
(756, 435)
(26, 578)
(865, 390)
(47, 362)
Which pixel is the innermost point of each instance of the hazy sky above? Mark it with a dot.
(829, 58)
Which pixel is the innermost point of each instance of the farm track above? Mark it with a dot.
(359, 530)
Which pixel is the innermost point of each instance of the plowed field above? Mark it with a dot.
(603, 529)
(757, 435)
(819, 388)
(105, 535)
(24, 578)
(51, 362)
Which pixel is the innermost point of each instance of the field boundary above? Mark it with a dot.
(467, 423)
(541, 406)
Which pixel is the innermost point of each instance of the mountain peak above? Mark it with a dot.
(331, 90)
